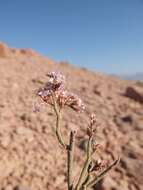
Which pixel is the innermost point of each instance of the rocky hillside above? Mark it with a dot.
(30, 157)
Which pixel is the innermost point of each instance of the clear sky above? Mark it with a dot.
(103, 35)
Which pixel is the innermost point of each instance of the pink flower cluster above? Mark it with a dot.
(54, 89)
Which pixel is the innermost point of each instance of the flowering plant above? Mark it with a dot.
(55, 94)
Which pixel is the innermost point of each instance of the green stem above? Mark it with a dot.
(70, 160)
(88, 178)
(58, 122)
(58, 131)
(86, 165)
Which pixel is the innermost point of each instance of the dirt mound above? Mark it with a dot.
(30, 157)
(4, 51)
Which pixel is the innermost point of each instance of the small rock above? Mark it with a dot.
(135, 93)
(127, 119)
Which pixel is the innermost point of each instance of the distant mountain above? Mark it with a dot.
(136, 76)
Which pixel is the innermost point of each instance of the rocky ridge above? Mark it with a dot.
(30, 156)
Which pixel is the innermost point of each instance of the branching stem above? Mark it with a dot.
(102, 174)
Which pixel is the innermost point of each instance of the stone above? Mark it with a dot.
(135, 93)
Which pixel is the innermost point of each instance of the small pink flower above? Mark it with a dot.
(55, 87)
(56, 78)
(73, 101)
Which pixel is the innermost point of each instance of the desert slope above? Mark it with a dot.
(29, 153)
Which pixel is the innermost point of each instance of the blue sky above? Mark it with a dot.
(102, 35)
